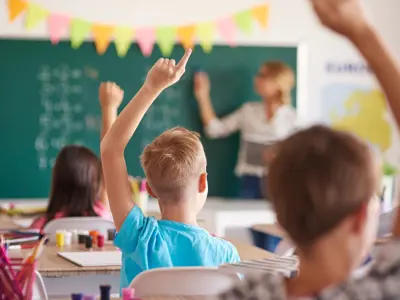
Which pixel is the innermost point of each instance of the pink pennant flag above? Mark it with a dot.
(145, 38)
(226, 28)
(58, 26)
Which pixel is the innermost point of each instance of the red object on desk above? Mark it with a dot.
(100, 241)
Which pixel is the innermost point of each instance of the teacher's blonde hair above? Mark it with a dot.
(284, 78)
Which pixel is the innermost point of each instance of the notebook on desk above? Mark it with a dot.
(93, 258)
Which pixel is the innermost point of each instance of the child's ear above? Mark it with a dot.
(203, 183)
(360, 218)
(150, 191)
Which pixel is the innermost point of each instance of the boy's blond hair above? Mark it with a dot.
(283, 76)
(173, 161)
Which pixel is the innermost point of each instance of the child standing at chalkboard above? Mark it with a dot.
(77, 188)
(261, 124)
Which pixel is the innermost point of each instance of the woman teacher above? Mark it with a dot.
(261, 124)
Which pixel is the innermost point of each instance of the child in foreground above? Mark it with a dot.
(324, 185)
(77, 188)
(175, 168)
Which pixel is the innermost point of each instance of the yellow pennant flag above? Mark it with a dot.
(206, 32)
(123, 39)
(102, 34)
(15, 8)
(261, 14)
(166, 39)
(244, 21)
(35, 14)
(186, 35)
(79, 30)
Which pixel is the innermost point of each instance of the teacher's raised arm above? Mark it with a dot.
(213, 126)
(261, 123)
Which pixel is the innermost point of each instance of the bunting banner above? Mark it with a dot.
(227, 31)
(123, 38)
(145, 38)
(205, 32)
(58, 27)
(102, 34)
(186, 35)
(166, 39)
(34, 15)
(78, 30)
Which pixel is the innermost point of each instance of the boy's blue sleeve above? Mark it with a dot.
(128, 236)
(234, 255)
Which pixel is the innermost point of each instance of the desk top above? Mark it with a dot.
(7, 222)
(51, 265)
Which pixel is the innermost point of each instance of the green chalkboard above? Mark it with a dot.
(48, 99)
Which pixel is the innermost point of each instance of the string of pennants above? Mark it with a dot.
(165, 36)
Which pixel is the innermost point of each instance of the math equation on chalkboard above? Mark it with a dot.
(63, 118)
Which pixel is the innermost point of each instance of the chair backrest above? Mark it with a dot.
(39, 290)
(185, 281)
(79, 223)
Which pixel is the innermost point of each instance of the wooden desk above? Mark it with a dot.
(6, 222)
(51, 265)
(62, 277)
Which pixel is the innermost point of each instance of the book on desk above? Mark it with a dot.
(287, 266)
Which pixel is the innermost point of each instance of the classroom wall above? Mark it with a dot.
(291, 22)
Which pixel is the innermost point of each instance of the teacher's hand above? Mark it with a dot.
(201, 86)
(268, 156)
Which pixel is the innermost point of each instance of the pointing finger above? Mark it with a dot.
(182, 63)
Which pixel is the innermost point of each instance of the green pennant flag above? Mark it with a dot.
(244, 21)
(205, 33)
(79, 31)
(35, 14)
(123, 37)
(166, 39)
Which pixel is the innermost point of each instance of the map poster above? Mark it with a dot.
(359, 106)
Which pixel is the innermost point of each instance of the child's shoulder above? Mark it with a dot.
(222, 243)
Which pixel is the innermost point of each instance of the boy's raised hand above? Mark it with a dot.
(165, 72)
(345, 17)
(110, 95)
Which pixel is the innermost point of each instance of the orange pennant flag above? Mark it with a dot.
(15, 8)
(261, 14)
(102, 34)
(186, 35)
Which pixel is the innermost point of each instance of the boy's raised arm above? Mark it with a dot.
(346, 17)
(110, 98)
(163, 74)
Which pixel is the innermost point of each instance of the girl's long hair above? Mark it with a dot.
(75, 183)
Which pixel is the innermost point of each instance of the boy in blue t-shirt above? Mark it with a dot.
(175, 168)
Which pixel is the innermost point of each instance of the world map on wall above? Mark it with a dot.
(362, 111)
